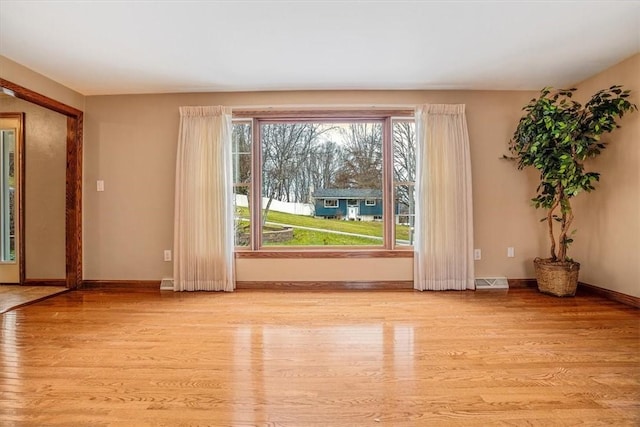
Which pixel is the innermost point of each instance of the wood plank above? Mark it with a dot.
(400, 358)
(14, 296)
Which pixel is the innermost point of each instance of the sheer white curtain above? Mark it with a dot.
(203, 224)
(443, 258)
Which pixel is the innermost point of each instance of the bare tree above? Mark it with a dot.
(404, 160)
(404, 171)
(241, 140)
(286, 149)
(362, 159)
(324, 164)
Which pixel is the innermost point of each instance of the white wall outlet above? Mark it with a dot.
(100, 185)
(511, 252)
(167, 254)
(477, 254)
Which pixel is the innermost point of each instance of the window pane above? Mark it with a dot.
(241, 140)
(241, 154)
(242, 220)
(404, 173)
(404, 151)
(316, 178)
(405, 214)
(7, 198)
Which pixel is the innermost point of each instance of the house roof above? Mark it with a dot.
(347, 193)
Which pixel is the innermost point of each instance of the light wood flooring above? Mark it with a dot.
(396, 358)
(12, 296)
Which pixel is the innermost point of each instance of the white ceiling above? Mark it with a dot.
(111, 47)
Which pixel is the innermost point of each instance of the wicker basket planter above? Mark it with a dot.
(554, 278)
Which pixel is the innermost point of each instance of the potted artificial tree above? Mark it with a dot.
(556, 135)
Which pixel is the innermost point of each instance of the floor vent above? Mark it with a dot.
(483, 283)
(166, 284)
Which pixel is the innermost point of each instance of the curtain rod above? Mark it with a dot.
(325, 107)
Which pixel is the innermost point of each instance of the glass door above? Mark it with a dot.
(11, 144)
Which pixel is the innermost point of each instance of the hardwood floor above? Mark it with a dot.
(394, 358)
(12, 296)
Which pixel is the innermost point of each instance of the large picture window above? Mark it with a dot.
(324, 182)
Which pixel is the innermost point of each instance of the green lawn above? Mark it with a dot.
(315, 238)
(368, 228)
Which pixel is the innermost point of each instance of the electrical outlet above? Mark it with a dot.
(167, 255)
(99, 185)
(511, 252)
(477, 254)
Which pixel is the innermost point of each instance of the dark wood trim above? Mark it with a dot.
(609, 294)
(121, 284)
(73, 226)
(44, 282)
(342, 114)
(310, 253)
(74, 202)
(522, 283)
(327, 285)
(42, 100)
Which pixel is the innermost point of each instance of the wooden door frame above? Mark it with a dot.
(73, 204)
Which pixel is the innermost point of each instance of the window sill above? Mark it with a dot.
(325, 253)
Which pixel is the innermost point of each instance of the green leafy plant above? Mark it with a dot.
(556, 135)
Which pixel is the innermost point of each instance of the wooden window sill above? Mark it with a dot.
(325, 253)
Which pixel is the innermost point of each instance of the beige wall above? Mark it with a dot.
(45, 158)
(20, 75)
(130, 143)
(607, 243)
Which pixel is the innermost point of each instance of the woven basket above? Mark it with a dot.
(559, 279)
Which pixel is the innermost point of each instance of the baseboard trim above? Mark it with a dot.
(522, 283)
(45, 282)
(584, 288)
(609, 294)
(121, 284)
(327, 285)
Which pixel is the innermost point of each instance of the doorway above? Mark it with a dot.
(73, 178)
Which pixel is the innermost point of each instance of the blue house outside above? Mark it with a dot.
(355, 204)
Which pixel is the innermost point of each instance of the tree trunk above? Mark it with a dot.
(266, 211)
(550, 224)
(567, 219)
